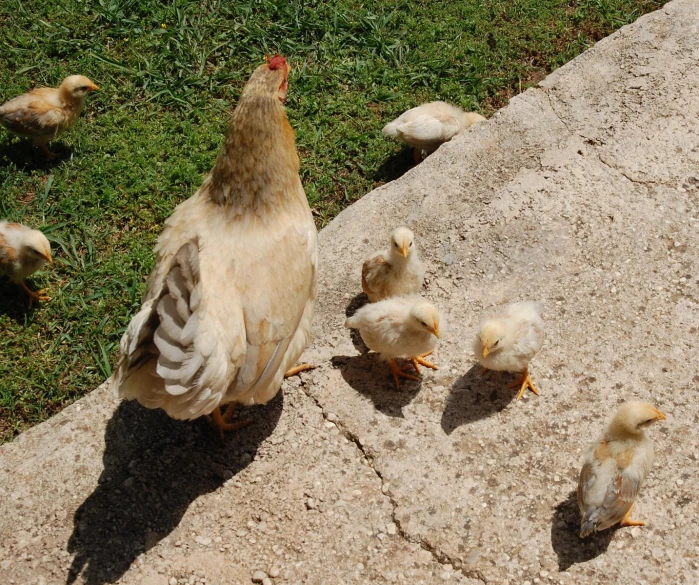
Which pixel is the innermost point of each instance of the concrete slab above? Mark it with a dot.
(583, 193)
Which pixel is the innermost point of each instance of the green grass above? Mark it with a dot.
(169, 73)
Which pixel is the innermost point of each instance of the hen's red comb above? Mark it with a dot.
(275, 62)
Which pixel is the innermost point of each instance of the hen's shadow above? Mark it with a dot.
(372, 378)
(473, 397)
(154, 468)
(395, 166)
(565, 539)
(356, 303)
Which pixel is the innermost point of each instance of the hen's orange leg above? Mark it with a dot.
(47, 152)
(398, 373)
(34, 296)
(220, 424)
(417, 156)
(626, 521)
(524, 382)
(299, 369)
(418, 360)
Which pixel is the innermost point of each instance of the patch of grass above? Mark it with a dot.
(169, 73)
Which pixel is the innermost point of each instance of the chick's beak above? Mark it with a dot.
(435, 330)
(92, 87)
(48, 257)
(660, 415)
(404, 251)
(486, 350)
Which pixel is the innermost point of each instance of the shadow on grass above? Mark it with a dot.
(154, 468)
(395, 166)
(26, 156)
(473, 397)
(371, 377)
(565, 539)
(14, 303)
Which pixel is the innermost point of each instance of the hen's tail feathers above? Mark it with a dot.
(587, 526)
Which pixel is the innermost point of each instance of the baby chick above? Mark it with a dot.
(22, 252)
(614, 469)
(394, 272)
(400, 327)
(44, 113)
(426, 127)
(509, 339)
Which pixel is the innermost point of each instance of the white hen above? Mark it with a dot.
(615, 467)
(228, 307)
(428, 126)
(394, 272)
(399, 327)
(509, 339)
(23, 251)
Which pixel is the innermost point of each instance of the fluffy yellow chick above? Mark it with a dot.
(43, 114)
(399, 327)
(428, 126)
(509, 339)
(23, 251)
(615, 467)
(228, 307)
(394, 272)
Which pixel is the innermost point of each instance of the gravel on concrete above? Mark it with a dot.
(583, 193)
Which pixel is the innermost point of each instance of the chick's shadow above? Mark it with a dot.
(565, 539)
(473, 397)
(26, 156)
(395, 166)
(356, 303)
(154, 468)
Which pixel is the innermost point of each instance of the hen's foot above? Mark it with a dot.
(299, 369)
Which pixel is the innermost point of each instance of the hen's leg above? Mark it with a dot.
(220, 422)
(298, 369)
(626, 521)
(398, 373)
(524, 382)
(417, 156)
(34, 296)
(50, 155)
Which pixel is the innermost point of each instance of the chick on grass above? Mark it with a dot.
(399, 327)
(43, 114)
(23, 251)
(615, 467)
(509, 340)
(394, 272)
(428, 126)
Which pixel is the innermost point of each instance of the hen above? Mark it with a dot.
(510, 339)
(229, 304)
(396, 271)
(399, 327)
(428, 126)
(43, 114)
(615, 467)
(23, 251)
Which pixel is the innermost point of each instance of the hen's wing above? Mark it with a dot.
(28, 116)
(620, 494)
(220, 312)
(373, 275)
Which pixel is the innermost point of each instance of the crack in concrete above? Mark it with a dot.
(545, 91)
(624, 174)
(438, 555)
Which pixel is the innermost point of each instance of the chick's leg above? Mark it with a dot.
(398, 373)
(35, 296)
(298, 369)
(417, 155)
(524, 382)
(626, 521)
(220, 422)
(418, 360)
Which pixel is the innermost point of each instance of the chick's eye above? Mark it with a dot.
(495, 344)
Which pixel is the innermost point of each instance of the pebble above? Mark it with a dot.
(657, 553)
(310, 504)
(266, 581)
(274, 571)
(259, 576)
(332, 417)
(391, 528)
(172, 581)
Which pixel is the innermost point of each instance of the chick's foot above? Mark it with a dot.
(524, 382)
(398, 373)
(422, 362)
(35, 296)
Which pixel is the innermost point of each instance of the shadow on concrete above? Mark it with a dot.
(372, 378)
(25, 156)
(154, 468)
(565, 539)
(473, 397)
(356, 303)
(395, 166)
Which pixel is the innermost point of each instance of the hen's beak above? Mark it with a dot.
(92, 87)
(486, 350)
(435, 330)
(660, 415)
(404, 251)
